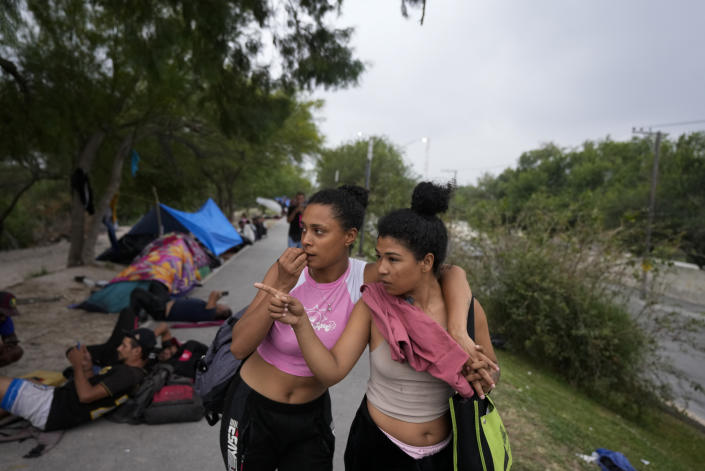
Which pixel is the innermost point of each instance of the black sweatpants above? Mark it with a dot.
(257, 433)
(153, 300)
(368, 448)
(105, 354)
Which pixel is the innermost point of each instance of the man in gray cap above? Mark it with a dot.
(10, 351)
(85, 397)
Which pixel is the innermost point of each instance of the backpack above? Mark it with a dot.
(216, 368)
(176, 401)
(163, 397)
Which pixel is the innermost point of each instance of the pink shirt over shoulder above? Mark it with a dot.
(328, 306)
(417, 339)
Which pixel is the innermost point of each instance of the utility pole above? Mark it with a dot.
(427, 141)
(454, 182)
(646, 264)
(368, 171)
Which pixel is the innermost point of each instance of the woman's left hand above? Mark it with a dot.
(480, 374)
(482, 378)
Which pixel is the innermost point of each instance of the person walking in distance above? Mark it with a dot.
(293, 217)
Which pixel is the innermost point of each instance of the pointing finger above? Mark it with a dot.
(269, 289)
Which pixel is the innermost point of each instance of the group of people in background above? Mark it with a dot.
(251, 230)
(101, 377)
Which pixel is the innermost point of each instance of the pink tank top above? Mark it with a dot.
(328, 306)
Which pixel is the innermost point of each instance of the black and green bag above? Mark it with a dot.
(480, 441)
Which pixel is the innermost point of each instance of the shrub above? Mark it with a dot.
(548, 290)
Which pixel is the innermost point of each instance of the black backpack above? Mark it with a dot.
(216, 368)
(176, 401)
(163, 397)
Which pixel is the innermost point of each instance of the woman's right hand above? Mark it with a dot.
(282, 306)
(290, 265)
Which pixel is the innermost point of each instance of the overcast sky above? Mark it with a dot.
(485, 80)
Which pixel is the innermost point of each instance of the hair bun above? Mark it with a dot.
(357, 192)
(430, 199)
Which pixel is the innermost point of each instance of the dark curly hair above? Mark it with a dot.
(419, 228)
(348, 203)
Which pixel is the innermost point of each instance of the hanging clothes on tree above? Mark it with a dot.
(113, 209)
(82, 186)
(135, 163)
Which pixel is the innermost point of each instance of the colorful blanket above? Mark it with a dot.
(170, 260)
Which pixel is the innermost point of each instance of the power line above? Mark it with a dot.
(681, 123)
(484, 168)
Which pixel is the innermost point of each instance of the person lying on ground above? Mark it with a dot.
(87, 396)
(10, 351)
(184, 356)
(155, 302)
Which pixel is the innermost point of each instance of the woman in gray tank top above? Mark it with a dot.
(403, 421)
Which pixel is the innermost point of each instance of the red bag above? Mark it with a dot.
(175, 402)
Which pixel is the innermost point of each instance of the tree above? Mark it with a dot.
(391, 180)
(680, 200)
(610, 181)
(106, 76)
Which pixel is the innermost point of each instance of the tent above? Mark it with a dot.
(269, 204)
(209, 225)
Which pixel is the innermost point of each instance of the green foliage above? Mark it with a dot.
(82, 83)
(681, 195)
(391, 180)
(545, 283)
(612, 180)
(41, 216)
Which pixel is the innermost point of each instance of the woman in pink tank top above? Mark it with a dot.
(405, 310)
(277, 413)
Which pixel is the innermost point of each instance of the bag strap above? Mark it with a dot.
(471, 318)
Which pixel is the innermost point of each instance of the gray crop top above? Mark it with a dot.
(403, 393)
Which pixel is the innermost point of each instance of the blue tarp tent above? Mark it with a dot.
(209, 225)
